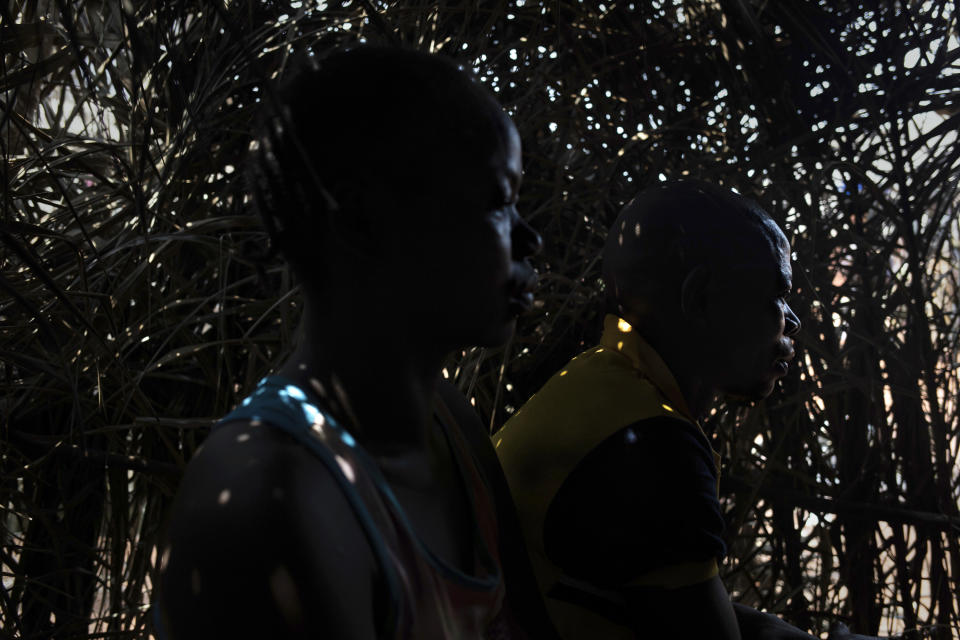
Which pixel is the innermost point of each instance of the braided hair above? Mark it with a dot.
(369, 116)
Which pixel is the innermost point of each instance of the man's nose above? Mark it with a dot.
(791, 323)
(526, 241)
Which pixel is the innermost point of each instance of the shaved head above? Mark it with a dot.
(672, 228)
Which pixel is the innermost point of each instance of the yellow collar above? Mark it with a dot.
(620, 336)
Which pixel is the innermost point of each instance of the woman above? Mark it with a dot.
(341, 499)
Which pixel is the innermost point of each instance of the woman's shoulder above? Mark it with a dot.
(259, 522)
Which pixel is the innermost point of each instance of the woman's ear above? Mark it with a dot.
(356, 223)
(694, 296)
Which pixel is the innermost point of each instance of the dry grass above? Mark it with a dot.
(136, 306)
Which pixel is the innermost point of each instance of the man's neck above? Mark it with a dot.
(685, 367)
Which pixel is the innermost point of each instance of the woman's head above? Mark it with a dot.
(396, 171)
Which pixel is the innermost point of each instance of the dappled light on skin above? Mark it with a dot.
(318, 387)
(347, 468)
(165, 558)
(286, 596)
(624, 326)
(318, 423)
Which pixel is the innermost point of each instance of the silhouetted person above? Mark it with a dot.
(614, 479)
(352, 494)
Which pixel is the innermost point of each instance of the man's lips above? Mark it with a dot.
(521, 293)
(522, 301)
(782, 364)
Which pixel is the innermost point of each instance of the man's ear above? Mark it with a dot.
(694, 296)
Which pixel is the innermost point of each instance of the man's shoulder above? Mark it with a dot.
(642, 500)
(592, 397)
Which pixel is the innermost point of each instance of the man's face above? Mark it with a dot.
(749, 345)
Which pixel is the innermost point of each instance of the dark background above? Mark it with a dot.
(136, 305)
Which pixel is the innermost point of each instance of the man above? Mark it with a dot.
(613, 478)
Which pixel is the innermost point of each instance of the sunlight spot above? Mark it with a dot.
(318, 422)
(318, 387)
(636, 229)
(165, 558)
(624, 326)
(256, 422)
(243, 437)
(285, 595)
(302, 366)
(311, 413)
(563, 373)
(620, 239)
(347, 468)
(620, 345)
(295, 392)
(630, 436)
(667, 407)
(499, 441)
(348, 439)
(224, 497)
(195, 581)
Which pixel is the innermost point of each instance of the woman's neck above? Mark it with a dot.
(382, 381)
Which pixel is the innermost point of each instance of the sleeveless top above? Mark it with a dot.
(427, 597)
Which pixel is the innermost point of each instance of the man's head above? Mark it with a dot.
(707, 271)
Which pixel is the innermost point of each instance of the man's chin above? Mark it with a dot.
(750, 396)
(496, 336)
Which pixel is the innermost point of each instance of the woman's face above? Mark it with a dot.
(463, 255)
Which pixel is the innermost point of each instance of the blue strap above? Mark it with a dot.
(279, 403)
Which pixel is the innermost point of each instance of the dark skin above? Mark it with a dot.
(743, 304)
(411, 286)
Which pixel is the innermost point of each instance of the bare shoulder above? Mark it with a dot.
(262, 542)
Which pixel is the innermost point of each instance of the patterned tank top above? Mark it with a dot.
(427, 597)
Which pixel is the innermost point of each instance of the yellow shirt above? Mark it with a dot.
(599, 392)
